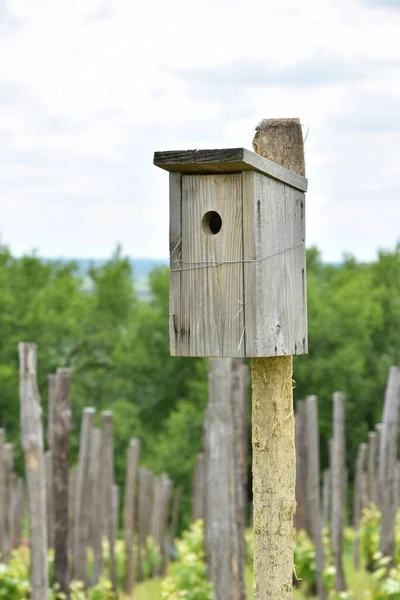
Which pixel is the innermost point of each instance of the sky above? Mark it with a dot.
(89, 89)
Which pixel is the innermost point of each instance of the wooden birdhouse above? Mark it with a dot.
(237, 255)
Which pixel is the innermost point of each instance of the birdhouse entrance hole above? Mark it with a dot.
(212, 222)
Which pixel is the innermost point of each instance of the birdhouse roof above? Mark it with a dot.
(228, 160)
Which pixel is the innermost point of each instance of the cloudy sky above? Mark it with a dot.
(89, 89)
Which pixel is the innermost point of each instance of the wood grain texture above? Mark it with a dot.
(3, 495)
(32, 442)
(144, 511)
(372, 468)
(10, 476)
(212, 319)
(230, 160)
(97, 501)
(222, 532)
(82, 509)
(274, 288)
(379, 439)
(359, 500)
(51, 384)
(49, 494)
(107, 463)
(301, 516)
(313, 491)
(199, 488)
(388, 463)
(326, 496)
(175, 253)
(175, 515)
(338, 463)
(273, 424)
(61, 426)
(240, 410)
(129, 511)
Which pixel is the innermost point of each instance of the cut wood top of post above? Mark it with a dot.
(228, 160)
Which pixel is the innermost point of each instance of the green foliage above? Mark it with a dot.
(118, 349)
(14, 576)
(304, 561)
(368, 533)
(188, 575)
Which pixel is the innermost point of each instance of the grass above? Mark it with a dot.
(358, 581)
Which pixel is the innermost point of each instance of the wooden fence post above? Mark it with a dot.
(32, 442)
(379, 439)
(9, 478)
(372, 468)
(240, 412)
(338, 464)
(3, 493)
(51, 387)
(19, 512)
(166, 489)
(314, 491)
(274, 499)
(326, 496)
(97, 502)
(199, 489)
(60, 431)
(388, 463)
(107, 463)
(143, 517)
(49, 495)
(221, 527)
(175, 515)
(359, 498)
(83, 498)
(301, 515)
(72, 489)
(129, 511)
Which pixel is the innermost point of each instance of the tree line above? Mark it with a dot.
(117, 348)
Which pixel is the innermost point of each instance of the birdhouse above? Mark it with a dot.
(237, 255)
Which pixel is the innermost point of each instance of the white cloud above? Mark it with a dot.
(90, 89)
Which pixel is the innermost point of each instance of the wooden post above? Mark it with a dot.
(97, 501)
(372, 468)
(143, 517)
(9, 478)
(32, 442)
(240, 407)
(51, 385)
(3, 495)
(72, 490)
(313, 491)
(107, 463)
(175, 515)
(49, 495)
(358, 502)
(338, 463)
(273, 422)
(199, 483)
(388, 463)
(326, 496)
(19, 512)
(60, 431)
(301, 515)
(379, 439)
(82, 498)
(222, 534)
(129, 512)
(166, 489)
